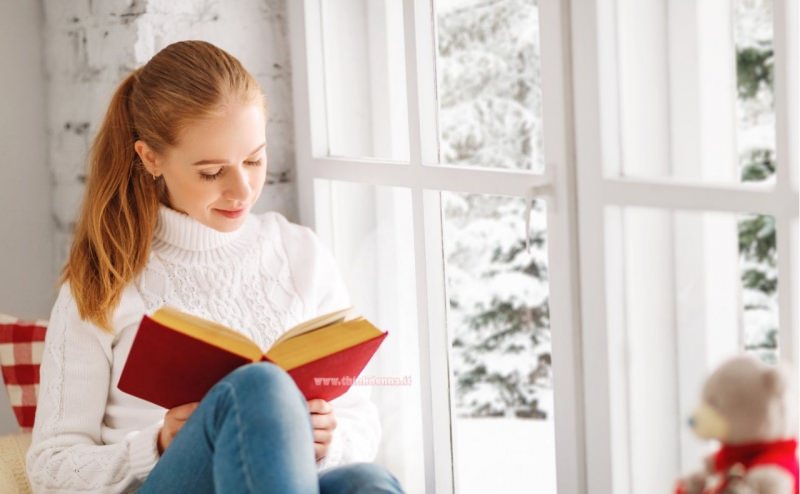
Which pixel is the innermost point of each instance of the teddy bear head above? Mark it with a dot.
(743, 401)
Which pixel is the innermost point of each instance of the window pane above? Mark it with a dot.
(365, 78)
(686, 291)
(498, 324)
(758, 265)
(372, 237)
(755, 102)
(695, 90)
(489, 84)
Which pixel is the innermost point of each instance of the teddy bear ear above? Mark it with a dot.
(774, 380)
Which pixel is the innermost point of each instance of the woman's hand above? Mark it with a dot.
(173, 422)
(323, 423)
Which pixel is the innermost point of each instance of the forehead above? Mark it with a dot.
(238, 129)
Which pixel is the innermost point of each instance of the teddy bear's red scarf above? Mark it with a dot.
(776, 453)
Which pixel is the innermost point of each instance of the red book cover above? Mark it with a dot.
(170, 368)
(329, 377)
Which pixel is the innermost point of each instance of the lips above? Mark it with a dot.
(228, 213)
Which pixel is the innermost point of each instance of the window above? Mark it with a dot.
(687, 158)
(438, 156)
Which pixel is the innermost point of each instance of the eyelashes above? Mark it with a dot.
(214, 176)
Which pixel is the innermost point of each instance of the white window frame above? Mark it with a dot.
(597, 141)
(425, 178)
(579, 138)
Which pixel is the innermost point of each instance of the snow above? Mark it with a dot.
(753, 22)
(490, 115)
(756, 132)
(504, 455)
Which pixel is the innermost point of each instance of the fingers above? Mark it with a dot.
(318, 405)
(323, 436)
(320, 450)
(173, 422)
(182, 412)
(323, 422)
(327, 421)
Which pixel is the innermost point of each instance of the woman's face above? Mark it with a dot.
(217, 170)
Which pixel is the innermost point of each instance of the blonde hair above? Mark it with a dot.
(185, 82)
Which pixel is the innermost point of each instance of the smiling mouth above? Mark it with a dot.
(230, 213)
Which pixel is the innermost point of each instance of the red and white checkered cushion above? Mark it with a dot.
(21, 345)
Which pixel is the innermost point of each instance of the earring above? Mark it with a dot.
(155, 177)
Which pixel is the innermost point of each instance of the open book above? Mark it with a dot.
(176, 357)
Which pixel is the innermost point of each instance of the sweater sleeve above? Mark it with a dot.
(67, 453)
(322, 289)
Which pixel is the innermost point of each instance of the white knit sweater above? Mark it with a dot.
(260, 279)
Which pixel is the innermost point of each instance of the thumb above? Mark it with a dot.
(319, 405)
(184, 411)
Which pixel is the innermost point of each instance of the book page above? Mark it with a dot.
(325, 341)
(317, 323)
(209, 331)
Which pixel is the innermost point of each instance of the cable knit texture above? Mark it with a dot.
(260, 279)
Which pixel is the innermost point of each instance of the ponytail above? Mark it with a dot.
(114, 230)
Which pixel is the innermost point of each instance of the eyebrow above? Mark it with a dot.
(221, 161)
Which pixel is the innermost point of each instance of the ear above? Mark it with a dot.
(774, 380)
(148, 156)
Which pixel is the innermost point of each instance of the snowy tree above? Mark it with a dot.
(498, 306)
(490, 116)
(756, 138)
(489, 84)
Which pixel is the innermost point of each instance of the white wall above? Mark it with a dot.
(91, 46)
(72, 55)
(27, 274)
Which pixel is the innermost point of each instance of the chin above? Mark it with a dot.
(227, 226)
(221, 223)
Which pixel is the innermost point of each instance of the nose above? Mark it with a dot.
(238, 186)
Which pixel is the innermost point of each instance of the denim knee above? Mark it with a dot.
(265, 380)
(257, 373)
(356, 478)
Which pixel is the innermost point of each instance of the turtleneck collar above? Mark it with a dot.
(184, 232)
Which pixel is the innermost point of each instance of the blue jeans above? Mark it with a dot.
(252, 433)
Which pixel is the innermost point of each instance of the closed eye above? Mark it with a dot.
(220, 170)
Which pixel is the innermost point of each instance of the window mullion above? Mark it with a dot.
(787, 93)
(787, 115)
(305, 30)
(426, 81)
(597, 148)
(565, 319)
(788, 339)
(415, 133)
(434, 347)
(687, 196)
(470, 180)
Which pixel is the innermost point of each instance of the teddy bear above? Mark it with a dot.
(744, 406)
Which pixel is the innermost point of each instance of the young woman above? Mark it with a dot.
(174, 170)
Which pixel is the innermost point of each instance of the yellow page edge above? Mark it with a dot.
(295, 353)
(210, 332)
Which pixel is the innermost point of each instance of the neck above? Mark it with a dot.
(178, 235)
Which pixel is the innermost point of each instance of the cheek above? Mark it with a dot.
(258, 177)
(192, 190)
(197, 187)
